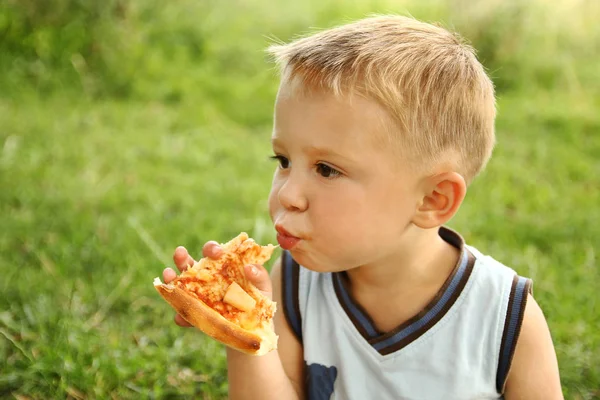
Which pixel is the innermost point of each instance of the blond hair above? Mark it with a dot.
(426, 77)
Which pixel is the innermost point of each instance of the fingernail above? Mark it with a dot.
(253, 270)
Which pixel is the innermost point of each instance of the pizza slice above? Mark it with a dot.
(216, 297)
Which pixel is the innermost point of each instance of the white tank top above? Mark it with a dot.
(459, 347)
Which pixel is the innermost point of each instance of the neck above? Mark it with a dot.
(423, 260)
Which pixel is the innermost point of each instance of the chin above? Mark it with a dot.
(316, 264)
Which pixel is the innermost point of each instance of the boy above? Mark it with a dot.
(379, 127)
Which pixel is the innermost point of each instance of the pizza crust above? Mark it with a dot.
(215, 325)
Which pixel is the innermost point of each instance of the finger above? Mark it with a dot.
(181, 322)
(212, 250)
(259, 277)
(169, 275)
(182, 258)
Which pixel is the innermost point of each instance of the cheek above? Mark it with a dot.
(273, 200)
(343, 216)
(362, 216)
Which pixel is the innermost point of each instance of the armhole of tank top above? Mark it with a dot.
(290, 280)
(517, 301)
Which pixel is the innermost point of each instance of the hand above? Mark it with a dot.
(256, 274)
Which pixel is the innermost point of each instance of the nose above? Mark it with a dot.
(292, 193)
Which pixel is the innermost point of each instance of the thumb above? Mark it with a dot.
(259, 277)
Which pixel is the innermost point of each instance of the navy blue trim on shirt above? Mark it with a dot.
(409, 331)
(355, 312)
(433, 312)
(515, 312)
(290, 277)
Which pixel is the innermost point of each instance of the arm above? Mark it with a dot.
(534, 370)
(276, 375)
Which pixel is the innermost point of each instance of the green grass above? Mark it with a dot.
(98, 186)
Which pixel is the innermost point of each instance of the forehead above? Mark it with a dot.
(346, 122)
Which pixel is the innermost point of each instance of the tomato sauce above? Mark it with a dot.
(226, 310)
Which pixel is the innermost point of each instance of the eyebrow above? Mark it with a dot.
(316, 151)
(325, 152)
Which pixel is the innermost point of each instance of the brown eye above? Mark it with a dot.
(284, 163)
(326, 171)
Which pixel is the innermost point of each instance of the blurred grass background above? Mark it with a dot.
(130, 127)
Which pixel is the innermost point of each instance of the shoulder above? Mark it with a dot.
(528, 367)
(534, 370)
(289, 347)
(494, 281)
(285, 275)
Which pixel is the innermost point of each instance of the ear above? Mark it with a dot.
(443, 195)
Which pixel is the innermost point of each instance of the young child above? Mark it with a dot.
(380, 125)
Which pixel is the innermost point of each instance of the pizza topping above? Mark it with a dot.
(222, 285)
(203, 275)
(237, 297)
(213, 296)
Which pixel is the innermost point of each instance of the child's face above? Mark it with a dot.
(338, 187)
